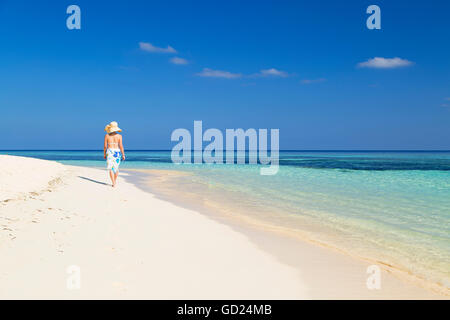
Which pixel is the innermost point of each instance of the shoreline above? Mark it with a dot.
(126, 243)
(250, 227)
(130, 244)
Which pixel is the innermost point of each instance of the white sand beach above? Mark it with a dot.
(128, 244)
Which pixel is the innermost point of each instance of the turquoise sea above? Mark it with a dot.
(392, 207)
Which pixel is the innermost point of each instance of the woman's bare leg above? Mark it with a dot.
(111, 175)
(115, 177)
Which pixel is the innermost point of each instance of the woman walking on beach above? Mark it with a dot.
(113, 150)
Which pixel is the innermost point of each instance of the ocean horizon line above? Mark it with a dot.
(284, 150)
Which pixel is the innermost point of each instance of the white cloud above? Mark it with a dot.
(145, 46)
(177, 60)
(310, 81)
(385, 63)
(272, 72)
(218, 74)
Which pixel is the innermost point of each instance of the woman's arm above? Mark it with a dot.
(121, 148)
(105, 145)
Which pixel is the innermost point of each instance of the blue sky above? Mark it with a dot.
(292, 65)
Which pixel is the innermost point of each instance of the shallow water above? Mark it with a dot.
(387, 206)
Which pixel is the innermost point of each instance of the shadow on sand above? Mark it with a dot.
(92, 180)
